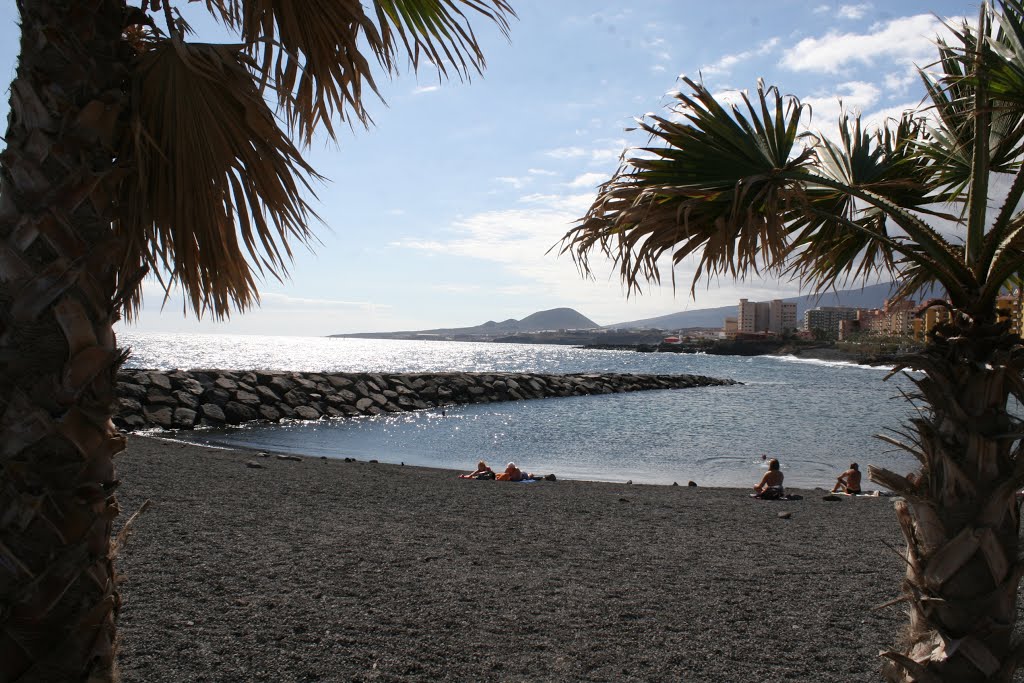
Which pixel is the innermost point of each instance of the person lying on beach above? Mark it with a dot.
(482, 472)
(849, 481)
(513, 473)
(770, 486)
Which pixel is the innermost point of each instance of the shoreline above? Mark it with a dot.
(321, 570)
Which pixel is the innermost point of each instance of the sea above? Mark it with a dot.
(815, 416)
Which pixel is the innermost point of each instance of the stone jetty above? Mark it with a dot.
(184, 399)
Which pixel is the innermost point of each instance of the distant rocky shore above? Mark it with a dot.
(184, 399)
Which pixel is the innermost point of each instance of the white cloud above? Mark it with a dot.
(906, 39)
(853, 11)
(517, 183)
(566, 152)
(726, 63)
(419, 90)
(604, 151)
(853, 96)
(900, 82)
(285, 301)
(880, 117)
(588, 180)
(821, 9)
(540, 171)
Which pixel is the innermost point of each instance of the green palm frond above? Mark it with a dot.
(715, 185)
(875, 178)
(312, 53)
(216, 189)
(951, 139)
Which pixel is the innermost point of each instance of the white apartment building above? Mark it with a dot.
(827, 318)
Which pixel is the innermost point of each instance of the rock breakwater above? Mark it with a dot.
(185, 399)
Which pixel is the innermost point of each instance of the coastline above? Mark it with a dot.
(318, 569)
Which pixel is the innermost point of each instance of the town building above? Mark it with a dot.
(1009, 308)
(765, 317)
(826, 319)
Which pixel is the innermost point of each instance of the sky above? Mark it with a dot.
(445, 212)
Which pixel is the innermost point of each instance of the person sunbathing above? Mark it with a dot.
(770, 486)
(482, 472)
(849, 481)
(512, 473)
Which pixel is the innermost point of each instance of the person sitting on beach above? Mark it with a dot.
(770, 486)
(849, 481)
(482, 472)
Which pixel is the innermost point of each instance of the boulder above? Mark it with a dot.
(307, 412)
(294, 399)
(226, 384)
(190, 385)
(184, 417)
(159, 397)
(130, 422)
(136, 391)
(186, 398)
(269, 413)
(267, 394)
(247, 398)
(127, 405)
(213, 412)
(161, 416)
(281, 384)
(339, 381)
(216, 395)
(304, 383)
(237, 413)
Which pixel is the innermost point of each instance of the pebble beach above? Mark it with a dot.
(251, 567)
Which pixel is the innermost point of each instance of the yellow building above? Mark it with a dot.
(928, 320)
(1008, 307)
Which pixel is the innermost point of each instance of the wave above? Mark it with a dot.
(828, 363)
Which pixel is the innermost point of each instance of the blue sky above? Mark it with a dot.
(442, 214)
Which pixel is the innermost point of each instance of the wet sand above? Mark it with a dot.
(323, 570)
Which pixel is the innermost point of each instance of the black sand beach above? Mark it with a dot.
(322, 570)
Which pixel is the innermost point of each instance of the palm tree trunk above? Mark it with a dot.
(960, 516)
(58, 356)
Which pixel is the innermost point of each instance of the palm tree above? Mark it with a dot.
(741, 190)
(131, 150)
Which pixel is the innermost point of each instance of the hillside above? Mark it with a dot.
(553, 319)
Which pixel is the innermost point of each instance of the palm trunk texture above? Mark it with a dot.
(58, 357)
(960, 515)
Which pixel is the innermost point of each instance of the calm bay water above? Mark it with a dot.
(815, 416)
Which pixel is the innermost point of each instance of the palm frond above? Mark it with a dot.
(713, 185)
(312, 55)
(874, 178)
(215, 193)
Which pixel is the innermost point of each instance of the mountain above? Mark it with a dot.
(868, 297)
(553, 319)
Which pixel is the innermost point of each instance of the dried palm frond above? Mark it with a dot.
(310, 52)
(208, 168)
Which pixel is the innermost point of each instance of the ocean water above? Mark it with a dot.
(815, 416)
